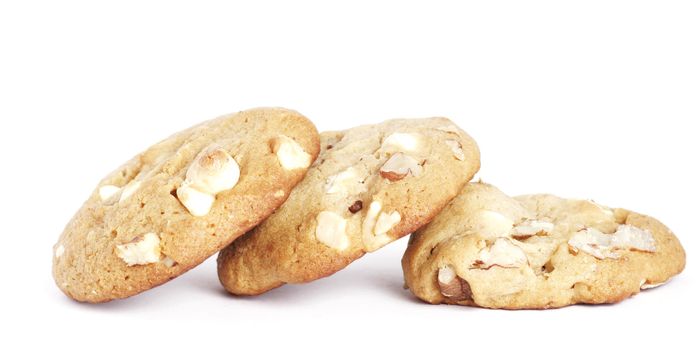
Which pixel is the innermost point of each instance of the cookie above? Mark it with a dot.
(370, 186)
(536, 252)
(182, 200)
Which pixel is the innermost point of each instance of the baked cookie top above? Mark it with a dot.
(537, 251)
(174, 205)
(370, 186)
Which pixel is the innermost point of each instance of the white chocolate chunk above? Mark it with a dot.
(376, 225)
(448, 283)
(331, 230)
(400, 142)
(490, 223)
(59, 251)
(456, 148)
(129, 190)
(346, 182)
(290, 154)
(371, 216)
(143, 250)
(532, 227)
(169, 262)
(601, 245)
(446, 275)
(108, 191)
(386, 222)
(212, 171)
(197, 203)
(502, 253)
(400, 165)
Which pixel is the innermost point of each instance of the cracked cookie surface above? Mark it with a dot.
(537, 251)
(369, 186)
(179, 202)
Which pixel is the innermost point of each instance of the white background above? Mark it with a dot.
(591, 99)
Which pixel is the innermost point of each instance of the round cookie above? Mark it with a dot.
(537, 252)
(182, 200)
(370, 186)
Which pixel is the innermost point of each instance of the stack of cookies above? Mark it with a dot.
(284, 204)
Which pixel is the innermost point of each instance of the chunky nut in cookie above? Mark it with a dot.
(452, 286)
(539, 251)
(400, 165)
(370, 186)
(602, 245)
(172, 206)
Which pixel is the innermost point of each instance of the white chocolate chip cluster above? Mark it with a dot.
(350, 184)
(212, 171)
(503, 250)
(398, 158)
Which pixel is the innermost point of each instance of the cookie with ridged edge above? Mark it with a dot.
(182, 200)
(369, 186)
(537, 251)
